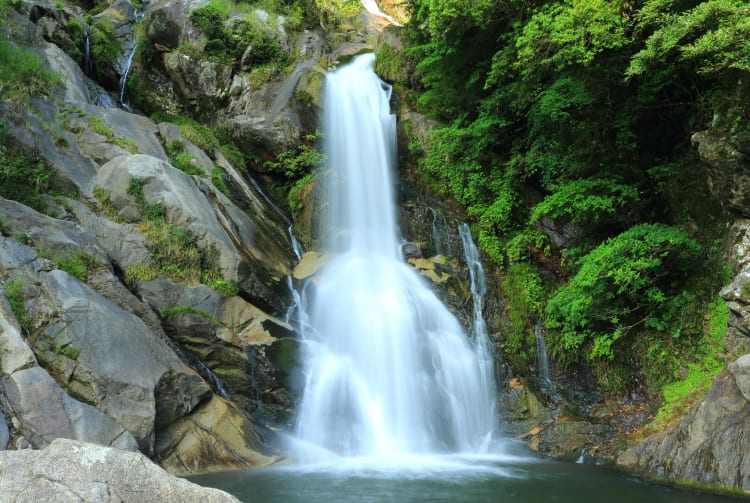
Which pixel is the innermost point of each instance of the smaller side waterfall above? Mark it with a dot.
(88, 64)
(542, 357)
(479, 329)
(124, 102)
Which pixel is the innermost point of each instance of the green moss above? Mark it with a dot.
(184, 309)
(66, 349)
(104, 45)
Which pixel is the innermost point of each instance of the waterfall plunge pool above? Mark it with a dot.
(455, 479)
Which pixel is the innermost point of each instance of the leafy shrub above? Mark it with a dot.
(208, 20)
(298, 161)
(636, 280)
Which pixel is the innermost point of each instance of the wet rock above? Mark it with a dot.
(246, 348)
(216, 437)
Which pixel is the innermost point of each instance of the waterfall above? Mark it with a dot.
(88, 65)
(542, 356)
(124, 79)
(387, 368)
(480, 338)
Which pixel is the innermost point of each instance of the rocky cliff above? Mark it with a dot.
(145, 283)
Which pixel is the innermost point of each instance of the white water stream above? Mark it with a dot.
(388, 371)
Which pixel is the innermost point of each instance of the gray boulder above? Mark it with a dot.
(249, 252)
(710, 444)
(79, 472)
(740, 369)
(44, 412)
(40, 408)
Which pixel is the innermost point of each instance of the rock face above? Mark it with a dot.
(709, 445)
(89, 351)
(81, 472)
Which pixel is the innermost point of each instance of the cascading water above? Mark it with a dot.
(124, 102)
(545, 375)
(388, 370)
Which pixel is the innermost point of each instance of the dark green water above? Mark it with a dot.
(517, 480)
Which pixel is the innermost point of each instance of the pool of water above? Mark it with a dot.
(517, 479)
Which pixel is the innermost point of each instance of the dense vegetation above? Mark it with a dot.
(565, 133)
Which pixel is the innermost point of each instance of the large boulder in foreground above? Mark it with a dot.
(710, 444)
(78, 472)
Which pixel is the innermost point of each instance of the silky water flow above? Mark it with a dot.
(388, 370)
(398, 403)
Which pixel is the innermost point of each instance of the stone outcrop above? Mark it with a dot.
(84, 355)
(709, 445)
(217, 437)
(74, 471)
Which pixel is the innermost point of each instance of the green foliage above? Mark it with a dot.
(209, 20)
(526, 297)
(199, 135)
(294, 198)
(14, 293)
(104, 44)
(176, 252)
(713, 36)
(100, 127)
(572, 32)
(635, 283)
(22, 74)
(586, 202)
(182, 159)
(138, 273)
(213, 279)
(22, 178)
(636, 279)
(217, 178)
(78, 264)
(298, 161)
(184, 309)
(151, 212)
(228, 40)
(233, 154)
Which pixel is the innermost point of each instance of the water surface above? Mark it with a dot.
(450, 479)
